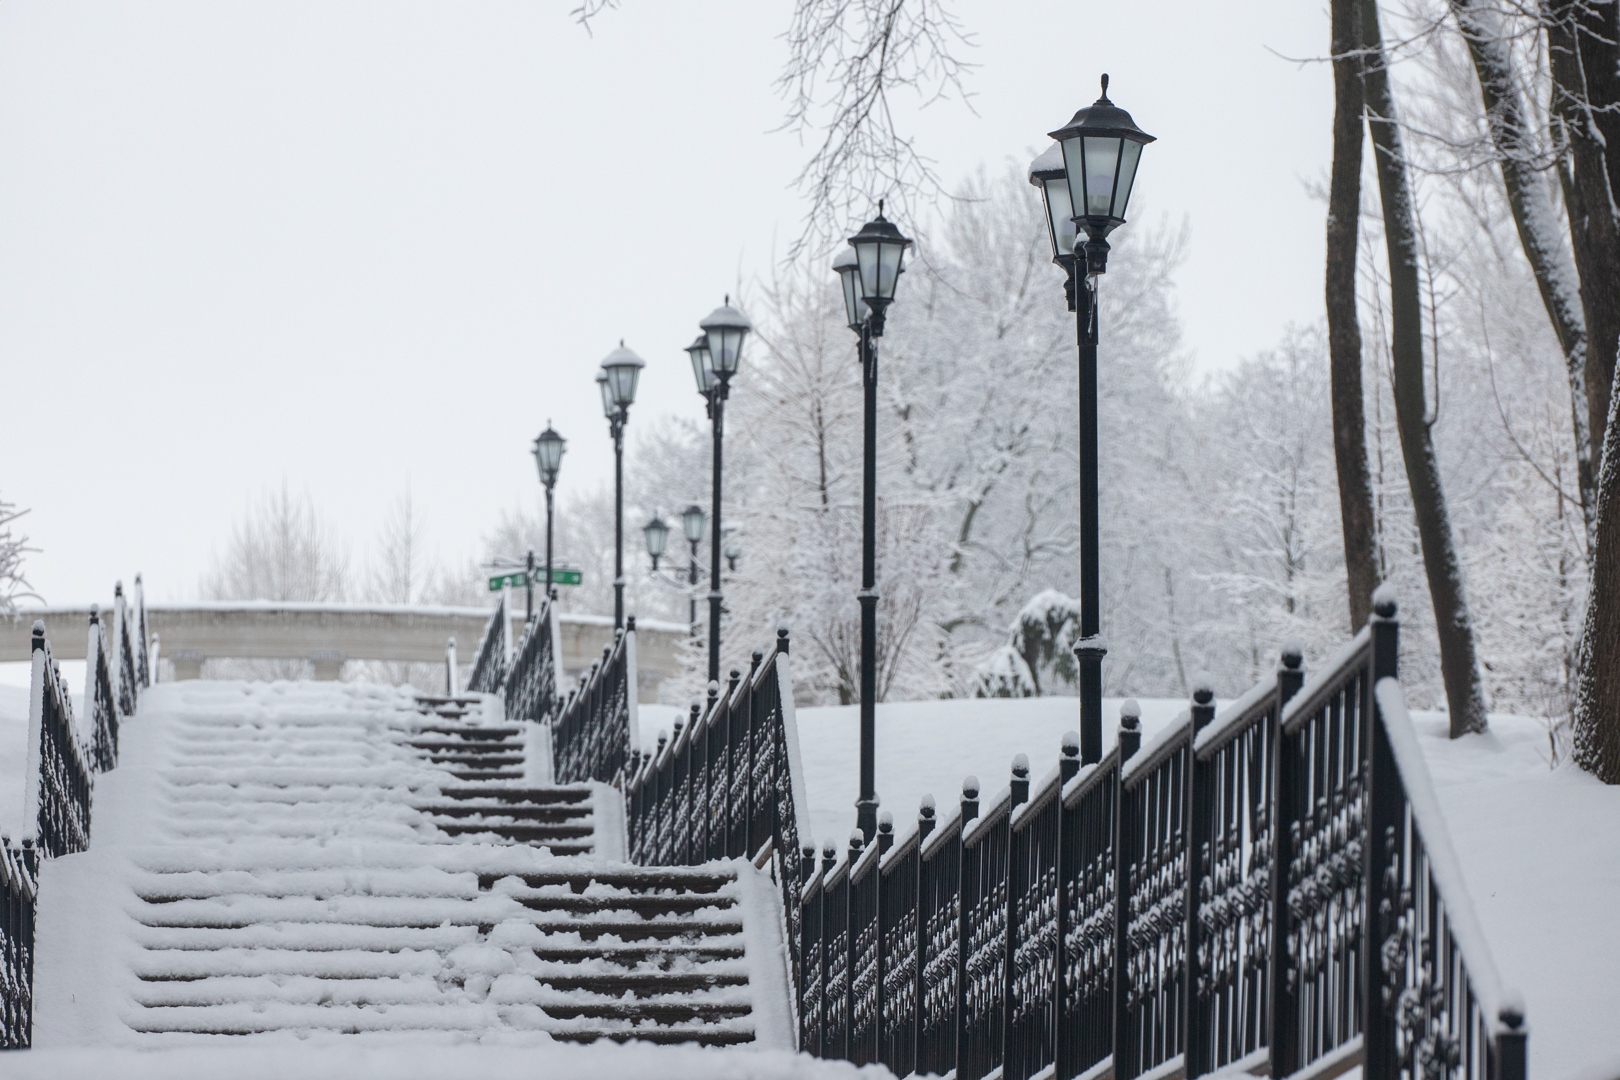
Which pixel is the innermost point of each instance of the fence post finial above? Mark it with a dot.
(829, 855)
(970, 799)
(1069, 760)
(1290, 669)
(118, 588)
(1385, 633)
(885, 832)
(95, 613)
(736, 677)
(1203, 700)
(1018, 785)
(925, 817)
(39, 635)
(1130, 729)
(807, 861)
(630, 623)
(857, 841)
(755, 660)
(782, 638)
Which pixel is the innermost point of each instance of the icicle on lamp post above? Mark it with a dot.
(868, 270)
(716, 356)
(618, 377)
(549, 448)
(1085, 183)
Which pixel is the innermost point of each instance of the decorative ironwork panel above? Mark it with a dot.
(1232, 874)
(742, 773)
(680, 805)
(765, 724)
(835, 940)
(1155, 860)
(812, 969)
(531, 685)
(18, 889)
(939, 911)
(718, 757)
(984, 934)
(1086, 1025)
(591, 736)
(61, 814)
(865, 973)
(489, 669)
(102, 706)
(1322, 803)
(898, 911)
(1032, 883)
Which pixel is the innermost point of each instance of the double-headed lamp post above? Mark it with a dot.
(656, 533)
(716, 356)
(1085, 181)
(549, 448)
(618, 377)
(868, 270)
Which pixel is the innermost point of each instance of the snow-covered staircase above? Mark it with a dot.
(317, 858)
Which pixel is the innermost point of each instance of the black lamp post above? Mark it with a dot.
(692, 526)
(716, 355)
(1089, 181)
(868, 272)
(618, 377)
(549, 448)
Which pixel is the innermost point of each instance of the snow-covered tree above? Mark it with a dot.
(13, 583)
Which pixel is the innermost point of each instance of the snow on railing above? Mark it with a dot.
(1270, 886)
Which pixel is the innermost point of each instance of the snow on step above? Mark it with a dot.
(333, 859)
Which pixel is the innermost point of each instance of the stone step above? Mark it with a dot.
(548, 813)
(634, 878)
(536, 796)
(541, 835)
(646, 906)
(663, 1036)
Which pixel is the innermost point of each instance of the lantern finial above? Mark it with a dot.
(1105, 86)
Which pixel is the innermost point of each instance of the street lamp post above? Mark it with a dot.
(716, 356)
(621, 370)
(692, 527)
(549, 448)
(1088, 182)
(868, 271)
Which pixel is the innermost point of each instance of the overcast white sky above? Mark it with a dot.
(360, 243)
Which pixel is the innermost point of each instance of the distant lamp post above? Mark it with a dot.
(1091, 180)
(733, 551)
(620, 373)
(549, 448)
(716, 357)
(692, 519)
(657, 537)
(868, 281)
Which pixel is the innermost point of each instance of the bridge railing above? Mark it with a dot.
(1267, 887)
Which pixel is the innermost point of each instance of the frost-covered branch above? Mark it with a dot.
(13, 583)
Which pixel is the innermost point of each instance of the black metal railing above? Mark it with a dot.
(19, 886)
(1197, 904)
(494, 653)
(531, 683)
(594, 731)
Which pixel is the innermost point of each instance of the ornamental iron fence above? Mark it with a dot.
(1265, 887)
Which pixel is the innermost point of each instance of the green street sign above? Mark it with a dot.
(496, 584)
(520, 578)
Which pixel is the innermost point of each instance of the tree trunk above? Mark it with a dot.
(1536, 220)
(1577, 95)
(1597, 32)
(1465, 700)
(1344, 329)
(1597, 698)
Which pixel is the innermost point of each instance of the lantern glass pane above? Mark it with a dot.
(657, 535)
(702, 372)
(725, 348)
(608, 408)
(548, 453)
(889, 257)
(623, 378)
(1102, 162)
(1129, 156)
(692, 522)
(1075, 173)
(866, 255)
(855, 308)
(1059, 217)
